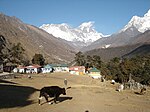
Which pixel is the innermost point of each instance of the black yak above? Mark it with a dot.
(51, 91)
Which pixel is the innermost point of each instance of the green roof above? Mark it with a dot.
(47, 66)
(94, 70)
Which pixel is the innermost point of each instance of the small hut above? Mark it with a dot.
(47, 69)
(77, 70)
(95, 73)
(33, 69)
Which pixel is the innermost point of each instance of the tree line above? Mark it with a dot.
(119, 69)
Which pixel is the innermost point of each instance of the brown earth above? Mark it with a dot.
(21, 95)
(35, 41)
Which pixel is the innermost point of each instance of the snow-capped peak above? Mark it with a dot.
(142, 24)
(84, 33)
(147, 14)
(86, 25)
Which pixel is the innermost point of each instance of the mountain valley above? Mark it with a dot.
(60, 42)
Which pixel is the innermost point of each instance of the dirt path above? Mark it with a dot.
(20, 95)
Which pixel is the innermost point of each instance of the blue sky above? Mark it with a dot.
(109, 15)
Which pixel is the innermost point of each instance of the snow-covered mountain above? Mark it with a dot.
(81, 36)
(87, 38)
(137, 25)
(142, 24)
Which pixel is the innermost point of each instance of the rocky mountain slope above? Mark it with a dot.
(35, 40)
(140, 45)
(112, 52)
(140, 51)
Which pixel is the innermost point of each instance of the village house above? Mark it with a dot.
(60, 67)
(20, 69)
(77, 70)
(27, 69)
(47, 69)
(9, 68)
(95, 73)
(33, 69)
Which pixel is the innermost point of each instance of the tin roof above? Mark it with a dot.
(33, 66)
(77, 68)
(94, 70)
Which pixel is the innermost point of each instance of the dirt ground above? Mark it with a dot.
(21, 95)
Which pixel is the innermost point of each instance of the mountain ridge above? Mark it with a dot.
(140, 46)
(85, 37)
(142, 24)
(82, 35)
(137, 25)
(35, 40)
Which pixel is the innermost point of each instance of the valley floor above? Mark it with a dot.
(21, 95)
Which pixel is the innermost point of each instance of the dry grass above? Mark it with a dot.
(21, 94)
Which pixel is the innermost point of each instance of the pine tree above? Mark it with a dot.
(38, 59)
(80, 59)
